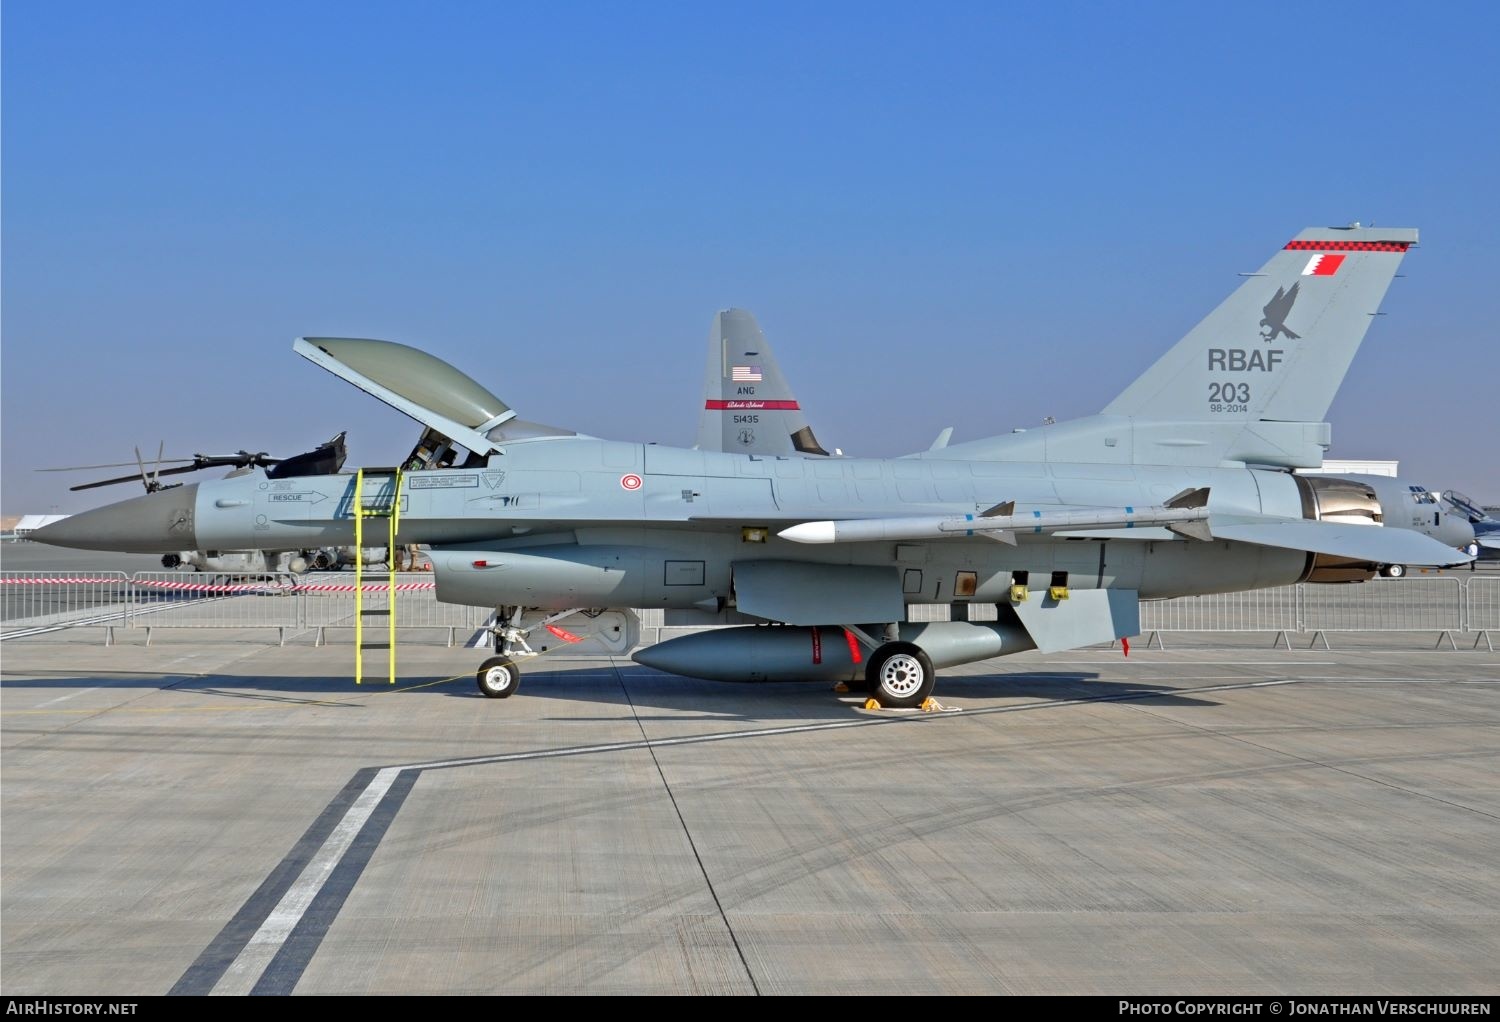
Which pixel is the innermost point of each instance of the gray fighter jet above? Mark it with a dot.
(1178, 487)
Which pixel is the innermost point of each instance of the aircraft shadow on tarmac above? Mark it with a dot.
(649, 692)
(652, 690)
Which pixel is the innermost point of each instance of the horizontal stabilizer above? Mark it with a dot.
(1375, 544)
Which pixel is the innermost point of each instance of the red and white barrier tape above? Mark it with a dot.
(203, 587)
(378, 587)
(59, 581)
(249, 587)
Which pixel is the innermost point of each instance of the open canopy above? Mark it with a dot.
(415, 383)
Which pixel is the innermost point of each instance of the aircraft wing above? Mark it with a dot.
(1183, 518)
(1372, 543)
(1375, 544)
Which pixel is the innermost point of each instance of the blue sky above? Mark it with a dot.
(969, 215)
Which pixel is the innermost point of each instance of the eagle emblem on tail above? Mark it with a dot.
(1277, 310)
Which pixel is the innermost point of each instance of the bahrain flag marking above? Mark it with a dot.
(1322, 265)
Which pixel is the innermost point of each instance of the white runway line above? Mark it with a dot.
(257, 954)
(63, 699)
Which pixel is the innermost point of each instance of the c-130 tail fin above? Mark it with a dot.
(748, 407)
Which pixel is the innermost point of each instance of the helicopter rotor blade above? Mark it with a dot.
(152, 478)
(113, 464)
(179, 470)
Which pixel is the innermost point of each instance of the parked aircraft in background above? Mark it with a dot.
(747, 406)
(1486, 526)
(1180, 486)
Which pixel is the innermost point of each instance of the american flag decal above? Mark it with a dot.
(745, 374)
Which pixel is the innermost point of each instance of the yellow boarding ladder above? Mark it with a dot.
(392, 512)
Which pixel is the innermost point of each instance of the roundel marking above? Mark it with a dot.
(630, 482)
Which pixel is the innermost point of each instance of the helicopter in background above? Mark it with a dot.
(325, 459)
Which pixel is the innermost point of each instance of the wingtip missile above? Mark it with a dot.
(1002, 523)
(811, 532)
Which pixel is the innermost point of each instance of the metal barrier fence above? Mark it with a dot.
(1259, 610)
(1410, 605)
(171, 599)
(39, 602)
(1482, 610)
(1447, 605)
(34, 603)
(328, 603)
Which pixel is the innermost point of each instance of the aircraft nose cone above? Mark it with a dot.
(159, 522)
(1457, 532)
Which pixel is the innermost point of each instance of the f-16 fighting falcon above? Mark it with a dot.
(1182, 485)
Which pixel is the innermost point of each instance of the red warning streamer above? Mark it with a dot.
(854, 653)
(563, 634)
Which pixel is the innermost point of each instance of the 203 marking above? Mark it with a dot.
(1230, 393)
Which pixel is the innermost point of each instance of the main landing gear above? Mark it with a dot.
(898, 675)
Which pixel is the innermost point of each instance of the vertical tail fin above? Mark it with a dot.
(748, 407)
(1278, 348)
